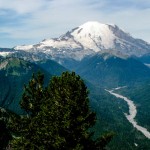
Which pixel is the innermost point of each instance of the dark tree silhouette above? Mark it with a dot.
(58, 116)
(5, 135)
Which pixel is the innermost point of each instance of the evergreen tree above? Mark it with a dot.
(58, 116)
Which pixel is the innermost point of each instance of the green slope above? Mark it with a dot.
(111, 71)
(14, 73)
(52, 67)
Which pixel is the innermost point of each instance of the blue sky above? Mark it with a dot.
(30, 21)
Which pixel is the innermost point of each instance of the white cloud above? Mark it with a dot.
(22, 6)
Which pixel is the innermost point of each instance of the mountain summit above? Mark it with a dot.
(93, 35)
(87, 39)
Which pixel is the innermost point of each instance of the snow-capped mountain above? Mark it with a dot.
(87, 39)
